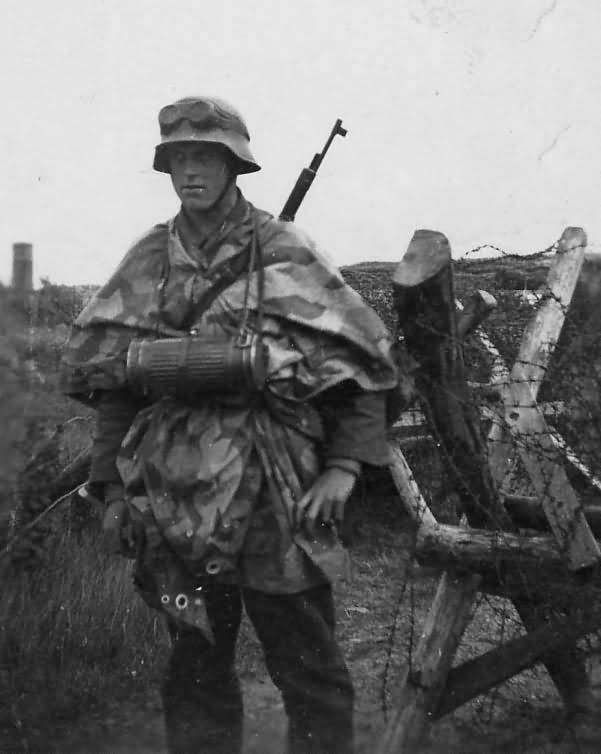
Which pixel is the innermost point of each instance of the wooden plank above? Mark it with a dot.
(564, 665)
(478, 308)
(539, 340)
(453, 547)
(527, 512)
(425, 679)
(415, 418)
(569, 454)
(482, 673)
(539, 455)
(499, 373)
(521, 415)
(542, 332)
(408, 489)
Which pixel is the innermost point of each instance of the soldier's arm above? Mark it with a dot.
(355, 424)
(116, 410)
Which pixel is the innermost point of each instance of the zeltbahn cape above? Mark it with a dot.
(192, 473)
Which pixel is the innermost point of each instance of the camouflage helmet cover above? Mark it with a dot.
(204, 119)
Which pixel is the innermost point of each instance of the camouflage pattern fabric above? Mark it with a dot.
(214, 484)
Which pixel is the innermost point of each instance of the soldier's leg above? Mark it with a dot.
(305, 662)
(201, 694)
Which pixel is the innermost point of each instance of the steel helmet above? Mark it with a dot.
(204, 119)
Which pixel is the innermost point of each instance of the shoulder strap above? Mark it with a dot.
(223, 276)
(226, 273)
(249, 259)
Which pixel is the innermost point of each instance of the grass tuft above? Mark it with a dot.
(73, 636)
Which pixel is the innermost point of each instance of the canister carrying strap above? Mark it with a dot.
(252, 257)
(255, 262)
(227, 273)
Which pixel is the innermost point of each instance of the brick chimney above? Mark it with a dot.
(22, 281)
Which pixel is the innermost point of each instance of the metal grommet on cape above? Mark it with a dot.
(181, 602)
(165, 599)
(213, 567)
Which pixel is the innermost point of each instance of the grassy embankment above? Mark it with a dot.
(72, 631)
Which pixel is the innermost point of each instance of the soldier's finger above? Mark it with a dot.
(300, 509)
(338, 510)
(310, 517)
(319, 514)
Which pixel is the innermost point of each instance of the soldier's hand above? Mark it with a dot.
(323, 504)
(112, 523)
(117, 529)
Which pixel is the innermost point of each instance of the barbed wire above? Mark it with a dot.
(512, 255)
(391, 643)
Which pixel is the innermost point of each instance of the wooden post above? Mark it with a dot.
(540, 337)
(423, 278)
(539, 455)
(478, 308)
(425, 302)
(523, 419)
(487, 551)
(424, 681)
(527, 512)
(538, 342)
(543, 331)
(408, 490)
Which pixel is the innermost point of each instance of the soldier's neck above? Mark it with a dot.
(198, 226)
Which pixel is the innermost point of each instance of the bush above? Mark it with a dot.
(58, 304)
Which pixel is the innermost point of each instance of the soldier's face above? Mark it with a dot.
(199, 173)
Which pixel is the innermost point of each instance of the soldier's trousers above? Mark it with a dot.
(201, 694)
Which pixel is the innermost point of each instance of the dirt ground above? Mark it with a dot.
(379, 613)
(530, 727)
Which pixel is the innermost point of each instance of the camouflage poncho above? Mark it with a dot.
(214, 483)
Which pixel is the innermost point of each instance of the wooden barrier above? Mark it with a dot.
(495, 556)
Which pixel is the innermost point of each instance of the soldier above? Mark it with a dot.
(228, 488)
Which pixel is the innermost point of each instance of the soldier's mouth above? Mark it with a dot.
(193, 187)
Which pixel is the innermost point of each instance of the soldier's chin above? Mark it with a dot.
(198, 203)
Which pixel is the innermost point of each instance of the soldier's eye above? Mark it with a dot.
(204, 158)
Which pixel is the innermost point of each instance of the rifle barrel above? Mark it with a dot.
(307, 175)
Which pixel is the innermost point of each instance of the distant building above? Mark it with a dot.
(22, 279)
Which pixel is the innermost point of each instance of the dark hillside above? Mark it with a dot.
(517, 283)
(508, 279)
(372, 281)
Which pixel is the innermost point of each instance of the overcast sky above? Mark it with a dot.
(478, 119)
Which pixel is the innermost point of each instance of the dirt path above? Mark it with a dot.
(137, 727)
(531, 727)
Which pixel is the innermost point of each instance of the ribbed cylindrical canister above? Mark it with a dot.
(190, 366)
